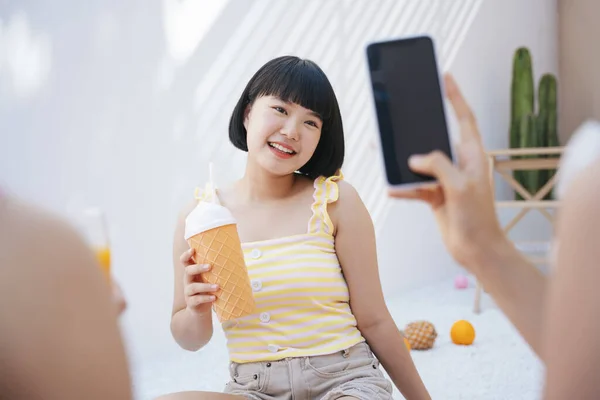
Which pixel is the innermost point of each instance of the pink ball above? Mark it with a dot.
(461, 282)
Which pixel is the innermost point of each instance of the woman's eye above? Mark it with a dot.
(279, 109)
(312, 123)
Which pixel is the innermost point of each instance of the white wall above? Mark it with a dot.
(102, 104)
(483, 66)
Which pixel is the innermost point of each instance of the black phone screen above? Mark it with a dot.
(408, 103)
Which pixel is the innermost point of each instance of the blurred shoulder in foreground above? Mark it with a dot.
(572, 295)
(59, 336)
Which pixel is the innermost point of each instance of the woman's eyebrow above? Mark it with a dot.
(313, 113)
(316, 114)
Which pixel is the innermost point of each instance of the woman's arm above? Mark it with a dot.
(191, 330)
(572, 323)
(58, 333)
(517, 286)
(356, 250)
(463, 205)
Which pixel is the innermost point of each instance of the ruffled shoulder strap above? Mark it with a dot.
(326, 191)
(205, 194)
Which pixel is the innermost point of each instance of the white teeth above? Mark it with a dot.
(281, 148)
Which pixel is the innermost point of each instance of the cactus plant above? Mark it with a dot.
(522, 93)
(531, 135)
(522, 105)
(548, 118)
(528, 129)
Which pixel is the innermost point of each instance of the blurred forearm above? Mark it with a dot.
(518, 288)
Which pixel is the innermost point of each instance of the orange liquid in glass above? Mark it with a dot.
(103, 256)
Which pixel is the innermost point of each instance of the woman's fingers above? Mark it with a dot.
(434, 194)
(435, 164)
(200, 299)
(438, 165)
(194, 270)
(200, 288)
(408, 194)
(464, 114)
(187, 257)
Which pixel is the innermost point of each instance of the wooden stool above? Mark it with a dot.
(500, 161)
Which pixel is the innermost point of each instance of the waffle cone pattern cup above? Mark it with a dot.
(212, 233)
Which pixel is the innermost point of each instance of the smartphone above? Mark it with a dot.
(409, 105)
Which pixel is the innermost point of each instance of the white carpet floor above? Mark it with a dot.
(498, 366)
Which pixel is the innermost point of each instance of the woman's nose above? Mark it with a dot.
(290, 130)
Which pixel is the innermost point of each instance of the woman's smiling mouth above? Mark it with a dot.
(281, 150)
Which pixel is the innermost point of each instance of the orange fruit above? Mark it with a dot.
(462, 332)
(406, 342)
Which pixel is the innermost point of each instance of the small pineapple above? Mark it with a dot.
(420, 334)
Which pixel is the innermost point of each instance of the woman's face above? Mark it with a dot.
(281, 137)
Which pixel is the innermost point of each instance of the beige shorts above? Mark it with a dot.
(352, 372)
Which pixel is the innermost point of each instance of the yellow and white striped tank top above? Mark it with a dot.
(302, 299)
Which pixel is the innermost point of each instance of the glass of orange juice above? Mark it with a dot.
(95, 229)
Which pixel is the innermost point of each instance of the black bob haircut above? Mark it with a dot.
(302, 82)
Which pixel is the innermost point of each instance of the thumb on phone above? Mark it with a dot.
(438, 165)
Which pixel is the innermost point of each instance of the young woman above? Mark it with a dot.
(321, 327)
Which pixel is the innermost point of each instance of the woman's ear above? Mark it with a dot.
(246, 116)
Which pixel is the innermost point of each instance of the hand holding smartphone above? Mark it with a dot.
(409, 104)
